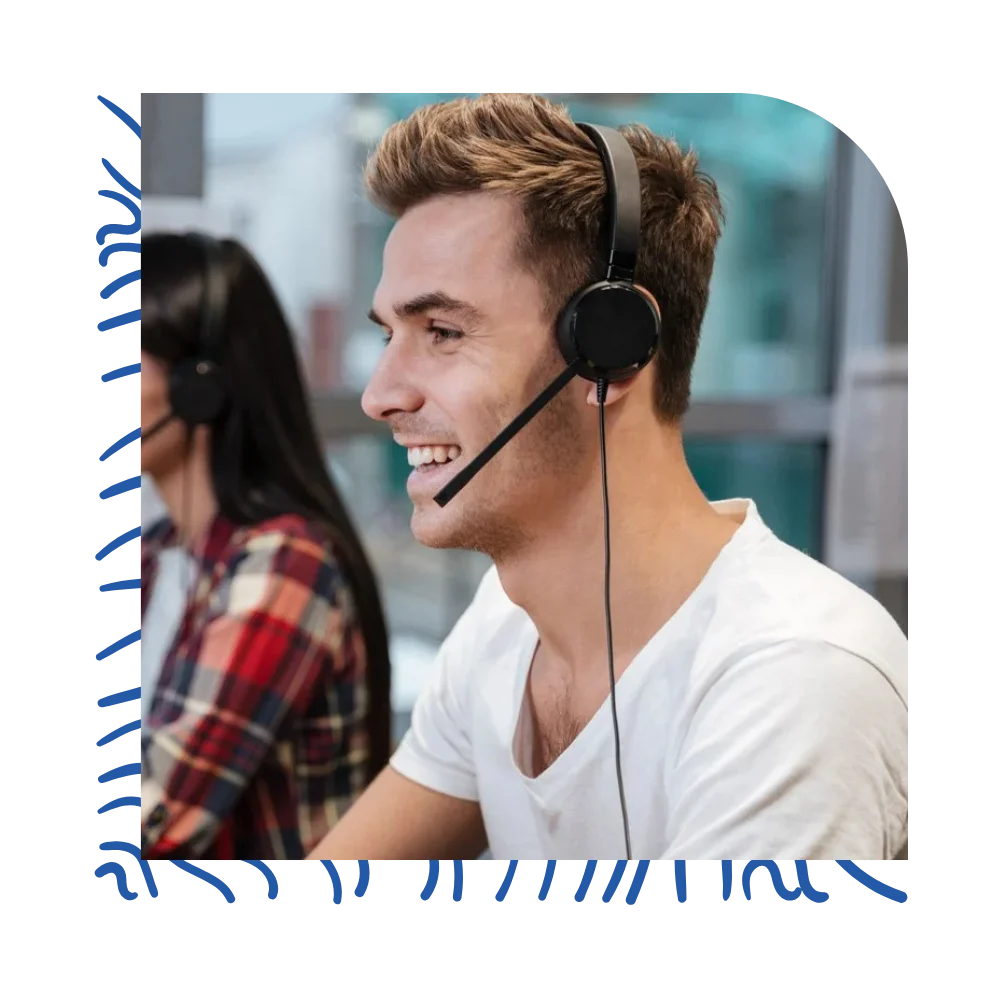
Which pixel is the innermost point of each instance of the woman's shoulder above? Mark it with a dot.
(288, 550)
(289, 545)
(291, 538)
(284, 529)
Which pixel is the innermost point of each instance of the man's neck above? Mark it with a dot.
(664, 537)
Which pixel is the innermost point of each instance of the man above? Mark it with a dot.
(761, 697)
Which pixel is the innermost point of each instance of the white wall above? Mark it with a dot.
(276, 164)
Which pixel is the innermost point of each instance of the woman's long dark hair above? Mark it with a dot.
(265, 453)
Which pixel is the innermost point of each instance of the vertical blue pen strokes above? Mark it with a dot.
(507, 879)
(186, 866)
(588, 875)
(801, 886)
(122, 319)
(364, 875)
(433, 869)
(120, 873)
(331, 870)
(272, 882)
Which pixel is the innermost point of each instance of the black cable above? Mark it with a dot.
(190, 574)
(602, 391)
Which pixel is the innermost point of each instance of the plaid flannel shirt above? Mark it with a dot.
(256, 740)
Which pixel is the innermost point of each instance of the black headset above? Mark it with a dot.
(197, 393)
(609, 330)
(197, 389)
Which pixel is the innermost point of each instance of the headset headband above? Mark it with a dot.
(624, 200)
(213, 300)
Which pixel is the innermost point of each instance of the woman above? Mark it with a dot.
(271, 709)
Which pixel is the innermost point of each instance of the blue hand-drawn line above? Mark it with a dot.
(609, 892)
(125, 771)
(123, 487)
(147, 873)
(133, 694)
(113, 868)
(120, 178)
(186, 866)
(121, 643)
(121, 442)
(105, 254)
(507, 879)
(727, 879)
(334, 878)
(121, 372)
(432, 880)
(129, 727)
(272, 882)
(121, 585)
(126, 279)
(127, 536)
(124, 116)
(125, 800)
(786, 893)
(117, 228)
(897, 895)
(364, 874)
(815, 895)
(550, 870)
(637, 879)
(118, 321)
(588, 874)
(680, 880)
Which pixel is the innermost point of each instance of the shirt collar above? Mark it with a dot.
(207, 547)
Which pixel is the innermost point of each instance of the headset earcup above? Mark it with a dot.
(565, 327)
(612, 327)
(197, 391)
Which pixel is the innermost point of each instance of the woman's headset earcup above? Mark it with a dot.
(197, 391)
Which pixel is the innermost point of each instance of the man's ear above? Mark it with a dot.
(616, 390)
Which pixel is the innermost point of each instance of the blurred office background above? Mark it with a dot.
(800, 384)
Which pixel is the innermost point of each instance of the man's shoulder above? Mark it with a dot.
(785, 600)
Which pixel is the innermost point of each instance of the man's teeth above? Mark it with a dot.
(432, 454)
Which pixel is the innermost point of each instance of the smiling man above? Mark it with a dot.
(761, 697)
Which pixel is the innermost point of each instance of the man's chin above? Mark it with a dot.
(431, 526)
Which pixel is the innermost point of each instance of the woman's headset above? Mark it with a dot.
(197, 393)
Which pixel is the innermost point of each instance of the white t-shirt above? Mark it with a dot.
(766, 719)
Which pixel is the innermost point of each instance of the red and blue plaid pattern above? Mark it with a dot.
(256, 741)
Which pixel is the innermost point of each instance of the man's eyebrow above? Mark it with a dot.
(427, 302)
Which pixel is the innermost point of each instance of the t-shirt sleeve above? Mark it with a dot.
(798, 752)
(437, 749)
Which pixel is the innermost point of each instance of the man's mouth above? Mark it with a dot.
(430, 455)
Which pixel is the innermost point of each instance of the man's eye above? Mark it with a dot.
(443, 333)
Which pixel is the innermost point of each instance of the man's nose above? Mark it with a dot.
(391, 388)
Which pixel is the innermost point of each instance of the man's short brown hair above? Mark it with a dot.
(528, 147)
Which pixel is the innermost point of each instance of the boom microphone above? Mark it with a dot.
(465, 476)
(157, 427)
